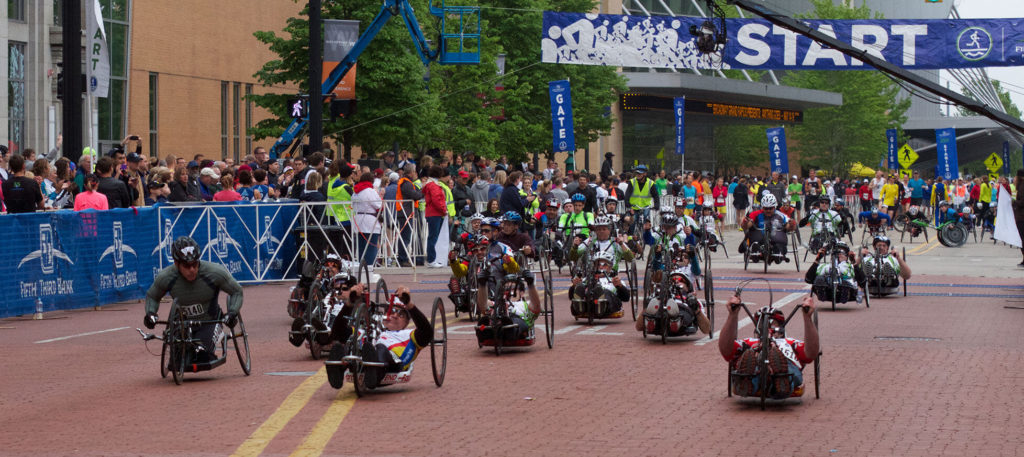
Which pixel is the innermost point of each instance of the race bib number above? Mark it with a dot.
(197, 309)
(787, 350)
(689, 200)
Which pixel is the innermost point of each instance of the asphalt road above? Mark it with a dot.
(933, 373)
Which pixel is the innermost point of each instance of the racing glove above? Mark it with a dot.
(150, 320)
(528, 277)
(231, 319)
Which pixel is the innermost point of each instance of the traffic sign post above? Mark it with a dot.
(994, 163)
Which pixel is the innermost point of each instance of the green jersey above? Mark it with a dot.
(197, 297)
(794, 190)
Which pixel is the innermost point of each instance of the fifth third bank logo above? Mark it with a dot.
(46, 252)
(118, 249)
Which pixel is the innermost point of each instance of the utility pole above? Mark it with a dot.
(316, 58)
(71, 112)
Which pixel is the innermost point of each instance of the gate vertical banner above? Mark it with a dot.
(890, 136)
(1006, 159)
(777, 150)
(945, 146)
(680, 109)
(561, 117)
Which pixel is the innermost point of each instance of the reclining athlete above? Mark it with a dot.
(787, 355)
(397, 345)
(612, 292)
(847, 271)
(520, 312)
(893, 266)
(194, 287)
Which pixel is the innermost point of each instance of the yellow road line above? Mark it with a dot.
(315, 442)
(934, 242)
(291, 406)
(929, 249)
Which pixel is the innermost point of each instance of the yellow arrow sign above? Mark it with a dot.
(994, 162)
(906, 156)
(993, 176)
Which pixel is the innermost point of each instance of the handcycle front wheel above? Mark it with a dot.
(633, 294)
(360, 324)
(165, 350)
(549, 306)
(439, 343)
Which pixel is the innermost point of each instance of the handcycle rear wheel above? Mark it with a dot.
(360, 324)
(244, 358)
(164, 354)
(181, 349)
(633, 294)
(439, 343)
(549, 300)
(382, 294)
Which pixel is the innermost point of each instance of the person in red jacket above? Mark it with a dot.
(864, 192)
(435, 212)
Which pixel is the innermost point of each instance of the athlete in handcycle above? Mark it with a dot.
(508, 319)
(575, 225)
(840, 279)
(876, 220)
(463, 286)
(673, 308)
(195, 326)
(846, 220)
(707, 228)
(766, 221)
(591, 279)
(312, 283)
(824, 224)
(883, 268)
(915, 223)
(373, 346)
(769, 365)
(664, 242)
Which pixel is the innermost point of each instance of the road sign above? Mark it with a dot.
(994, 162)
(905, 173)
(907, 156)
(297, 108)
(993, 176)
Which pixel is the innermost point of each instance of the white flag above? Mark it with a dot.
(1006, 223)
(98, 56)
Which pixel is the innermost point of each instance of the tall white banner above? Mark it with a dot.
(97, 69)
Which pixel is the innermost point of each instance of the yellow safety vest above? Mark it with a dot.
(641, 198)
(449, 200)
(340, 193)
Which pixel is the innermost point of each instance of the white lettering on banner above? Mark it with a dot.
(909, 34)
(46, 288)
(560, 100)
(860, 31)
(817, 51)
(119, 280)
(789, 47)
(763, 52)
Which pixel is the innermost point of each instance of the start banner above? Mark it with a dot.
(666, 42)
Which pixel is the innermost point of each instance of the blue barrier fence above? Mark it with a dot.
(71, 259)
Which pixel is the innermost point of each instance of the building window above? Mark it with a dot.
(153, 113)
(16, 10)
(16, 95)
(224, 119)
(236, 95)
(248, 117)
(58, 6)
(113, 108)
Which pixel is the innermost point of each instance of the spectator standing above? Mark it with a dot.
(497, 186)
(876, 187)
(115, 190)
(366, 205)
(607, 167)
(480, 189)
(133, 178)
(21, 194)
(463, 200)
(208, 179)
(228, 194)
(740, 199)
(408, 198)
(90, 199)
(436, 210)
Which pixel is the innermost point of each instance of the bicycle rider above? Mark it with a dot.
(612, 290)
(780, 226)
(194, 286)
(787, 355)
(641, 195)
(822, 220)
(522, 313)
(847, 271)
(874, 219)
(893, 266)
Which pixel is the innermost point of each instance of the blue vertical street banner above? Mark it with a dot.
(561, 116)
(1006, 158)
(945, 147)
(679, 103)
(890, 137)
(777, 150)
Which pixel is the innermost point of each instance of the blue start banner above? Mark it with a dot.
(665, 42)
(68, 259)
(945, 145)
(777, 150)
(679, 103)
(561, 116)
(890, 138)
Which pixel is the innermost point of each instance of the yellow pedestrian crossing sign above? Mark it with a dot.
(994, 163)
(993, 175)
(906, 156)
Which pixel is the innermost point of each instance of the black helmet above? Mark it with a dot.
(185, 249)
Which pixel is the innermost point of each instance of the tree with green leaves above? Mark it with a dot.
(1004, 97)
(457, 108)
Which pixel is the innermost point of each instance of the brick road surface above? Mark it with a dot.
(951, 391)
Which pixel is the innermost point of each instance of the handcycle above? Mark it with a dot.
(832, 288)
(876, 278)
(180, 345)
(367, 323)
(871, 230)
(593, 291)
(763, 331)
(512, 288)
(762, 251)
(663, 293)
(464, 301)
(951, 233)
(640, 217)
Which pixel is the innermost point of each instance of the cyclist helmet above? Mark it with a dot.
(943, 203)
(874, 211)
(185, 249)
(824, 201)
(881, 239)
(709, 205)
(979, 205)
(476, 217)
(680, 202)
(611, 199)
(602, 221)
(768, 201)
(332, 258)
(605, 256)
(667, 210)
(578, 197)
(512, 216)
(842, 246)
(840, 203)
(669, 219)
(553, 203)
(913, 210)
(641, 168)
(481, 243)
(494, 222)
(342, 281)
(776, 315)
(966, 210)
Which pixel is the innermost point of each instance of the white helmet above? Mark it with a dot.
(768, 201)
(966, 210)
(667, 210)
(606, 256)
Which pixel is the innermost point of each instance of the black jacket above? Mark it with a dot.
(511, 200)
(606, 169)
(460, 194)
(116, 192)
